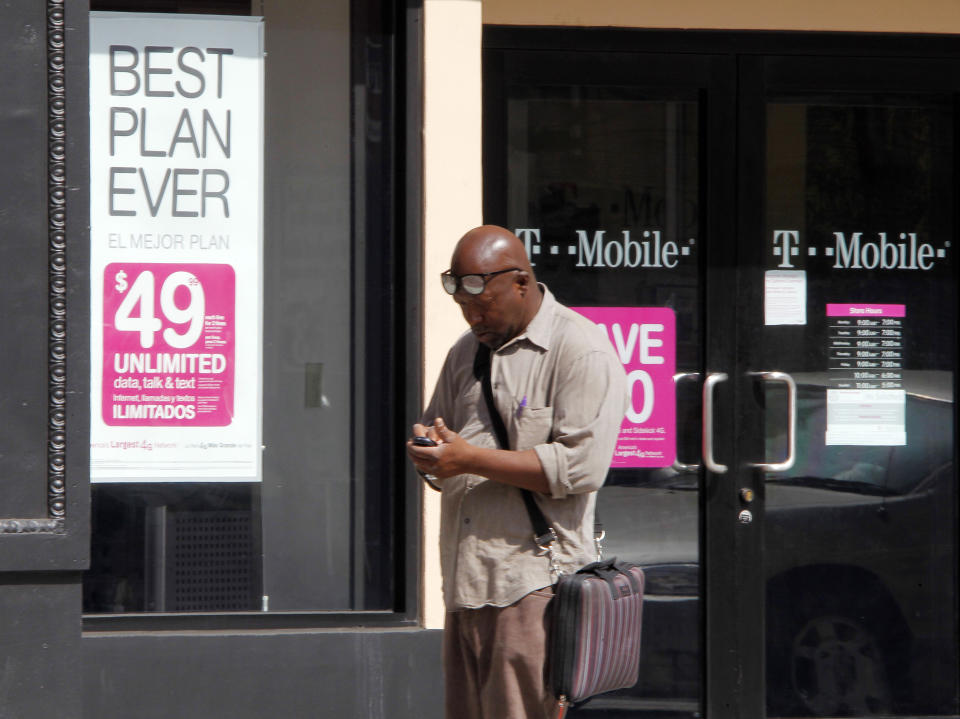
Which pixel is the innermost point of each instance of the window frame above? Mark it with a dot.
(402, 186)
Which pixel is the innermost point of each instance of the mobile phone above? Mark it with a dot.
(424, 442)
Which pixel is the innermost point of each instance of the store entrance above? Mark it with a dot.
(769, 240)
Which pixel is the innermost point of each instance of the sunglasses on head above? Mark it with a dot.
(472, 284)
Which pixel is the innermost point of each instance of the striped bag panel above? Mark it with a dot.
(596, 629)
(608, 648)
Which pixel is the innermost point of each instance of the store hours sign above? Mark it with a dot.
(176, 138)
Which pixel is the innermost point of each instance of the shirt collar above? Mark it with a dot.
(539, 329)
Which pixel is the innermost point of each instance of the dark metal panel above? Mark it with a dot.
(44, 411)
(43, 253)
(304, 675)
(40, 636)
(23, 262)
(652, 71)
(409, 313)
(786, 73)
(735, 621)
(76, 549)
(494, 136)
(750, 42)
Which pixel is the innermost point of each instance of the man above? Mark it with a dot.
(561, 392)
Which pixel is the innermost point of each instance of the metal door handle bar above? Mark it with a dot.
(712, 380)
(786, 464)
(679, 466)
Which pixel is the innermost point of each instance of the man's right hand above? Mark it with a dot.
(420, 458)
(453, 455)
(420, 430)
(450, 457)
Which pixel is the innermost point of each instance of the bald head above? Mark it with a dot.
(510, 297)
(492, 247)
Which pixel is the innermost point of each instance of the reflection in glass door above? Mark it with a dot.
(603, 183)
(860, 309)
(800, 534)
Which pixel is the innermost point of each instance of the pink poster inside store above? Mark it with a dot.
(644, 339)
(168, 344)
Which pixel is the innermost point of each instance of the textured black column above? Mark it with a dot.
(44, 316)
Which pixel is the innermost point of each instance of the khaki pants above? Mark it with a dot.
(494, 661)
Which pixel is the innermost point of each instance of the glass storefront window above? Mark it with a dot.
(317, 530)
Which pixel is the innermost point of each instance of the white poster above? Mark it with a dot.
(785, 297)
(176, 197)
(866, 417)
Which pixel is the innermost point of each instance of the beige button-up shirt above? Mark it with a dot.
(561, 391)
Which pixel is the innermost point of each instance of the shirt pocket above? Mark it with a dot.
(532, 427)
(466, 420)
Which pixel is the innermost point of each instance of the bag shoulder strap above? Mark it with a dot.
(543, 533)
(481, 370)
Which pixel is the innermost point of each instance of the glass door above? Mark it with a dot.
(852, 297)
(596, 161)
(769, 243)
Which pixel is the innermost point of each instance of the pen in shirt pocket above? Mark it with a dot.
(523, 403)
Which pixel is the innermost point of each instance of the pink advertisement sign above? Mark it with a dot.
(176, 248)
(168, 344)
(645, 339)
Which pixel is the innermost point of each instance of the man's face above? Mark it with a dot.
(495, 316)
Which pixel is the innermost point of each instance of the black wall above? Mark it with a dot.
(361, 674)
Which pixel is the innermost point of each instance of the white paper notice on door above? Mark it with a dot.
(785, 297)
(866, 417)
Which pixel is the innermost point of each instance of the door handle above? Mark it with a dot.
(786, 464)
(712, 380)
(679, 466)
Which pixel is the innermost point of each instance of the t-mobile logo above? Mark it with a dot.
(786, 244)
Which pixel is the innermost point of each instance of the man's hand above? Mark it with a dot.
(450, 457)
(454, 455)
